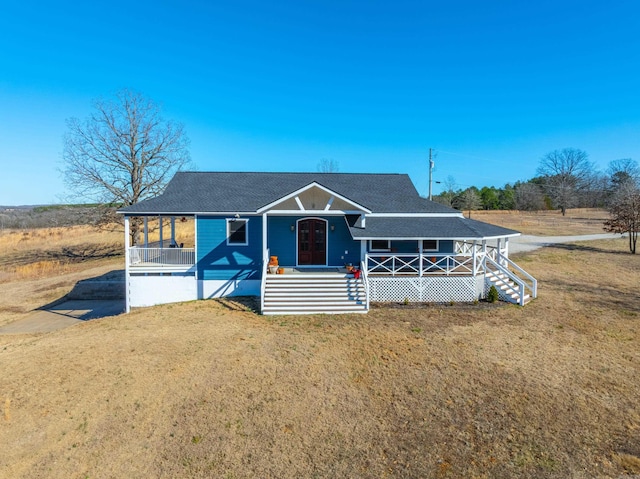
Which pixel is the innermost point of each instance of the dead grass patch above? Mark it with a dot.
(210, 389)
(578, 221)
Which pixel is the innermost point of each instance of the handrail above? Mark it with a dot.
(365, 280)
(534, 282)
(263, 279)
(516, 279)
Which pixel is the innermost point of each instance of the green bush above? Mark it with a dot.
(492, 295)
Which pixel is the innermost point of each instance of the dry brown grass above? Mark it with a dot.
(40, 266)
(578, 221)
(204, 389)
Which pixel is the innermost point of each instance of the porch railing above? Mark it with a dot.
(423, 264)
(161, 256)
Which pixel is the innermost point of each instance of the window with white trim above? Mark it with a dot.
(379, 245)
(237, 232)
(430, 245)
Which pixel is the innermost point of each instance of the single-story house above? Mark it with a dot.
(341, 240)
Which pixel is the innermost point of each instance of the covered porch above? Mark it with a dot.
(158, 250)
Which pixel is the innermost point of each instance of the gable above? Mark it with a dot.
(314, 197)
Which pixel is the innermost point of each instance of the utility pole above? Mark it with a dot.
(431, 164)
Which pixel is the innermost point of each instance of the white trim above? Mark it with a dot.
(416, 215)
(299, 203)
(329, 203)
(246, 231)
(313, 184)
(440, 238)
(195, 242)
(127, 245)
(385, 250)
(326, 242)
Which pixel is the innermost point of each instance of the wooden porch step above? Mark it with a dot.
(328, 293)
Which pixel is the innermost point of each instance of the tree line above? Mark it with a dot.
(564, 179)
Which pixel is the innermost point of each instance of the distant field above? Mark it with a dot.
(578, 221)
(211, 389)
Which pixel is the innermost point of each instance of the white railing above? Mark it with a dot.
(365, 281)
(263, 278)
(139, 257)
(422, 265)
(520, 280)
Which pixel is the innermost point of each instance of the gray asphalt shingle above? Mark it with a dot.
(230, 192)
(429, 227)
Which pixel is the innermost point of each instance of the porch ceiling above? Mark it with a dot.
(426, 228)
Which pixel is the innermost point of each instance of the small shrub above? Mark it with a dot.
(406, 301)
(492, 295)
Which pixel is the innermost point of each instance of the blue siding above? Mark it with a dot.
(282, 241)
(217, 261)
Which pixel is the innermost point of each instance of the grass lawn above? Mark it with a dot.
(210, 389)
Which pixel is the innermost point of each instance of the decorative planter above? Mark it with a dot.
(273, 269)
(280, 270)
(273, 261)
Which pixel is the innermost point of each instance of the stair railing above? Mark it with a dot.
(522, 285)
(365, 280)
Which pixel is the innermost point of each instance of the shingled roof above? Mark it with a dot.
(235, 192)
(458, 227)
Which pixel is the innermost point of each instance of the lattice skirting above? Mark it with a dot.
(427, 290)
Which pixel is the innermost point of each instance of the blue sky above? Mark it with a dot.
(277, 86)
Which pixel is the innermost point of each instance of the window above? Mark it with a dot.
(237, 232)
(430, 245)
(380, 245)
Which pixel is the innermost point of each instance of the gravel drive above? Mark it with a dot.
(524, 243)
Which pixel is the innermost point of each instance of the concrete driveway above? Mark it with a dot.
(63, 315)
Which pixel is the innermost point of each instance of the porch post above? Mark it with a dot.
(161, 236)
(264, 234)
(498, 253)
(173, 230)
(420, 258)
(475, 259)
(127, 254)
(146, 232)
(506, 248)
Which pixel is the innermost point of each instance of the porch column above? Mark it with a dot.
(264, 234)
(161, 238)
(146, 232)
(499, 253)
(475, 258)
(173, 230)
(127, 253)
(420, 257)
(506, 248)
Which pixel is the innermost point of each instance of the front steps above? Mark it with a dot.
(319, 293)
(507, 289)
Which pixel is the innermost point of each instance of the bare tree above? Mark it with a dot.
(625, 213)
(123, 152)
(565, 172)
(468, 200)
(327, 165)
(529, 197)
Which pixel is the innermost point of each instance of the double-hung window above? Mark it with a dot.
(237, 232)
